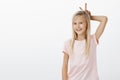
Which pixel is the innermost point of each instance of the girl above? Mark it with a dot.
(80, 51)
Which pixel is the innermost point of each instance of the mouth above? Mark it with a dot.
(79, 29)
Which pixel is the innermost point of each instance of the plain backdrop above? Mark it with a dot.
(32, 34)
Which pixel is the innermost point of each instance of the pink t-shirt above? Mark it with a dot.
(81, 68)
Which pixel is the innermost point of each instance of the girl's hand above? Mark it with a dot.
(87, 11)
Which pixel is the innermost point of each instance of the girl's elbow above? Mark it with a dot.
(105, 18)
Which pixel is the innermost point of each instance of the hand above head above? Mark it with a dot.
(87, 11)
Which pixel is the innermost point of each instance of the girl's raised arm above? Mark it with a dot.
(101, 19)
(101, 27)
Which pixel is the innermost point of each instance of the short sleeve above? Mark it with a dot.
(66, 47)
(95, 39)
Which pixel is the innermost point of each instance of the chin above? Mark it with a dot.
(79, 33)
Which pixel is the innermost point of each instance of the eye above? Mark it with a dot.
(81, 23)
(74, 23)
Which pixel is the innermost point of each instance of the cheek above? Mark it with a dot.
(74, 26)
(84, 28)
(83, 25)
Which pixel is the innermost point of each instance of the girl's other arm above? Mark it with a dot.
(101, 27)
(65, 67)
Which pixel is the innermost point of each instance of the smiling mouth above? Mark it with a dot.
(79, 29)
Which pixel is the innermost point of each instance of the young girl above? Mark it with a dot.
(80, 51)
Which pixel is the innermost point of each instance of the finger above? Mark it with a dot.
(88, 11)
(81, 8)
(85, 6)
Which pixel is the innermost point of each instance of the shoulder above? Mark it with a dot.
(92, 36)
(66, 48)
(68, 41)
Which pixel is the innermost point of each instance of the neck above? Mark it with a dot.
(80, 37)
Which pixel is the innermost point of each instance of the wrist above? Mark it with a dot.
(92, 17)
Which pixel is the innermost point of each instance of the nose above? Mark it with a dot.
(78, 25)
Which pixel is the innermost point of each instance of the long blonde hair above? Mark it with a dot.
(87, 35)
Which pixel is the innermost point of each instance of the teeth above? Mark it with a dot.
(79, 29)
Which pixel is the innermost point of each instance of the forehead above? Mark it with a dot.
(79, 18)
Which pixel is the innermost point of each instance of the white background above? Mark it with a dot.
(32, 33)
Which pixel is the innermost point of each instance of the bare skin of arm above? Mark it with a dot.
(101, 27)
(65, 67)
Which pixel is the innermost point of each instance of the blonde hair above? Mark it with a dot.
(87, 35)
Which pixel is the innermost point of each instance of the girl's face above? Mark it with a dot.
(79, 25)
